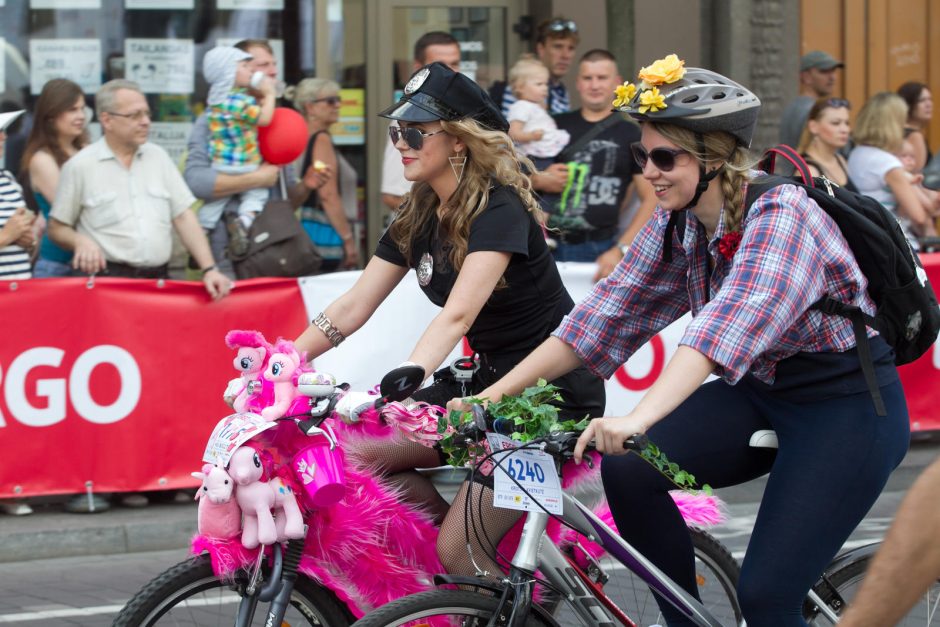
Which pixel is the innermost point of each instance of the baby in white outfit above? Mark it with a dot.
(530, 126)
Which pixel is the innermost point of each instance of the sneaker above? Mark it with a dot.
(15, 508)
(237, 238)
(85, 504)
(135, 499)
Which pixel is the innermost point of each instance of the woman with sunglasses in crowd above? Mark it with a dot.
(749, 276)
(470, 228)
(326, 213)
(58, 133)
(827, 131)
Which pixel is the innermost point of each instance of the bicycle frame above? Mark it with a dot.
(587, 601)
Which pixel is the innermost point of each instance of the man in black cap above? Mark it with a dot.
(817, 80)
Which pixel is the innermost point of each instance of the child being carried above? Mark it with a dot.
(530, 126)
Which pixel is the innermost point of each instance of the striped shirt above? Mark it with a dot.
(14, 260)
(558, 101)
(748, 313)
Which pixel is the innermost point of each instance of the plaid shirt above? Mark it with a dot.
(748, 313)
(233, 130)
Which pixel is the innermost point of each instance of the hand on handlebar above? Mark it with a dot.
(609, 435)
(353, 404)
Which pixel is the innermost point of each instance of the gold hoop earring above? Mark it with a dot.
(457, 164)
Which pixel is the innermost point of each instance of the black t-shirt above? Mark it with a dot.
(516, 317)
(603, 170)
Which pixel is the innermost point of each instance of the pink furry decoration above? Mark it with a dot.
(228, 556)
(417, 423)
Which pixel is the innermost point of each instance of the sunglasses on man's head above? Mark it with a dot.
(663, 158)
(838, 103)
(413, 137)
(556, 26)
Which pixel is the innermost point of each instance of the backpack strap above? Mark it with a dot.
(859, 318)
(770, 158)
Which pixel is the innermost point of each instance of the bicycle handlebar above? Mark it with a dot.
(560, 445)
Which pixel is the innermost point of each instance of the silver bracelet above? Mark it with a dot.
(334, 335)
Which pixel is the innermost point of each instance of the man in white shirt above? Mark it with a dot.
(119, 198)
(430, 47)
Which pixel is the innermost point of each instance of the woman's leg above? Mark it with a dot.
(707, 436)
(471, 531)
(835, 456)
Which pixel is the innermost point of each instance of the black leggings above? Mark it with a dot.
(834, 458)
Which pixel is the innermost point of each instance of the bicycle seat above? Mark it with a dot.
(765, 438)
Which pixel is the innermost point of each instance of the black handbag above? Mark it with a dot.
(277, 246)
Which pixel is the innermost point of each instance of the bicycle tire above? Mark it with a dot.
(844, 583)
(190, 594)
(439, 604)
(716, 573)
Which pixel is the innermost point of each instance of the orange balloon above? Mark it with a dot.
(285, 138)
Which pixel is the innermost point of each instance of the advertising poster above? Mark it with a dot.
(158, 4)
(65, 4)
(171, 136)
(265, 5)
(78, 60)
(160, 66)
(350, 129)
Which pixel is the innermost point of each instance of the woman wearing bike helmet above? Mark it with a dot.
(470, 229)
(748, 275)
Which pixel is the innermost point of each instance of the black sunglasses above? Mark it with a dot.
(838, 103)
(331, 100)
(556, 26)
(413, 137)
(663, 158)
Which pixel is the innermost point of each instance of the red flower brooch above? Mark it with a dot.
(728, 245)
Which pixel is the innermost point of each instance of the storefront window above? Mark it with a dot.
(157, 43)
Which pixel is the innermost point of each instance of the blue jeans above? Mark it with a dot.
(834, 458)
(585, 251)
(48, 269)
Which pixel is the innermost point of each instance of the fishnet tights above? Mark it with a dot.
(486, 525)
(397, 459)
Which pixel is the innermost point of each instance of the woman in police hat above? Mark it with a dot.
(470, 227)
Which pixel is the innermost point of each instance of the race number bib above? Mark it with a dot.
(534, 470)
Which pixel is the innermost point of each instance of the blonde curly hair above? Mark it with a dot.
(491, 158)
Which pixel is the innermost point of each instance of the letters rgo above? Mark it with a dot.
(75, 388)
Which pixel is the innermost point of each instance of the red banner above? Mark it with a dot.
(921, 379)
(119, 384)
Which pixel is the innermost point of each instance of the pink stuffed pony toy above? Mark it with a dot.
(253, 351)
(219, 515)
(283, 364)
(258, 498)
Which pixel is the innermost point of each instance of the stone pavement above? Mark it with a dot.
(51, 532)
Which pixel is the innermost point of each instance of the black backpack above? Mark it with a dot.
(908, 316)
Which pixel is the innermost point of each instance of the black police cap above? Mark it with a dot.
(436, 92)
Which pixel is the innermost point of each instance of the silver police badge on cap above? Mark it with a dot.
(417, 81)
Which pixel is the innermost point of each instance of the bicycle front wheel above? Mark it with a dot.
(440, 608)
(189, 594)
(844, 584)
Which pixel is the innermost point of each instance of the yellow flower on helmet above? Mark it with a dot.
(651, 100)
(624, 94)
(667, 70)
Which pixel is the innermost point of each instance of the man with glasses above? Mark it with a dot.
(588, 211)
(209, 184)
(556, 40)
(118, 199)
(429, 48)
(817, 80)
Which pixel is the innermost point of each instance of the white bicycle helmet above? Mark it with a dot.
(703, 101)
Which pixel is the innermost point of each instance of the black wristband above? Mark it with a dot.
(209, 269)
